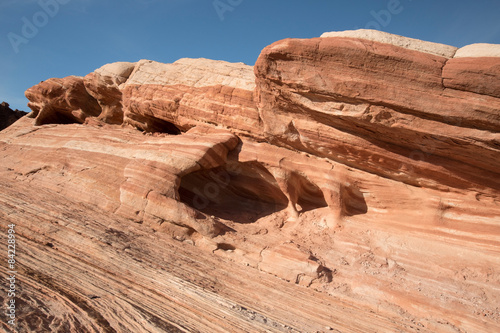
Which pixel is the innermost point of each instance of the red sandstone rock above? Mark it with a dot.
(191, 92)
(61, 101)
(358, 101)
(290, 263)
(330, 172)
(478, 75)
(104, 85)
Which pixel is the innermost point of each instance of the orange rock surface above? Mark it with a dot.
(345, 183)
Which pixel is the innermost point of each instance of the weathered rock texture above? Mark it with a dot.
(61, 101)
(191, 92)
(9, 116)
(364, 106)
(344, 183)
(104, 85)
(400, 41)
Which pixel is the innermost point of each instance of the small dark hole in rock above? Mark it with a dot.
(226, 247)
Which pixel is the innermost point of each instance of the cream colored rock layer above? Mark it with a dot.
(196, 73)
(447, 51)
(443, 50)
(479, 50)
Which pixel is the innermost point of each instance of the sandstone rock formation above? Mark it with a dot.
(104, 85)
(8, 116)
(442, 50)
(347, 183)
(61, 101)
(191, 92)
(369, 107)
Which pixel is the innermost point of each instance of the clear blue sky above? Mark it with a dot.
(82, 35)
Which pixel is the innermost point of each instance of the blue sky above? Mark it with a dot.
(57, 38)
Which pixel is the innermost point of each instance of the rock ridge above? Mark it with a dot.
(356, 174)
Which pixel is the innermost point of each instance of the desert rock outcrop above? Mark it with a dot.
(191, 92)
(9, 116)
(349, 182)
(104, 85)
(364, 103)
(61, 101)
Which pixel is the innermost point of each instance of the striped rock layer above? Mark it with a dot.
(358, 171)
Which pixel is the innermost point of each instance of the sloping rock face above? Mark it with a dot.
(9, 116)
(415, 113)
(359, 171)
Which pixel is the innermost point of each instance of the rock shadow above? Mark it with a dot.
(240, 192)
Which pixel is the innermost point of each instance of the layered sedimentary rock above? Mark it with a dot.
(117, 171)
(104, 85)
(61, 101)
(9, 116)
(442, 50)
(358, 171)
(394, 111)
(191, 92)
(474, 68)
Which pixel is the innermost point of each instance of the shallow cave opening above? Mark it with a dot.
(56, 118)
(151, 124)
(309, 195)
(163, 126)
(354, 201)
(241, 192)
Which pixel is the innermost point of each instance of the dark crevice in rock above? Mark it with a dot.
(353, 201)
(152, 125)
(55, 118)
(310, 195)
(225, 247)
(245, 192)
(242, 192)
